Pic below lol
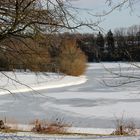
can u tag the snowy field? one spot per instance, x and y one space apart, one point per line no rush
89 103
56 137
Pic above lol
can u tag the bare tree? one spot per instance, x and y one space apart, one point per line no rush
20 18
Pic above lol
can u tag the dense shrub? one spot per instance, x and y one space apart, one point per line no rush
72 60
25 54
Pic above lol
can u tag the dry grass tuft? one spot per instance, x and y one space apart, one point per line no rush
56 127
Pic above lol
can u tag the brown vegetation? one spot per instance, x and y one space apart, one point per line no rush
56 127
6 129
40 55
29 55
124 127
72 60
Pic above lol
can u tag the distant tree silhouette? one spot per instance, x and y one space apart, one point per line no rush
110 41
100 44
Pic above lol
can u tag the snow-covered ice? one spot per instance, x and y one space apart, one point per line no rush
95 102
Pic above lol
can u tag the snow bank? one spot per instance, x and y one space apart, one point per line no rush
26 81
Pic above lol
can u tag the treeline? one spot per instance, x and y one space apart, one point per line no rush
43 53
121 45
68 52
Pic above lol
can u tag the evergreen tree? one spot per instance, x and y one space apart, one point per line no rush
110 42
100 41
100 45
138 38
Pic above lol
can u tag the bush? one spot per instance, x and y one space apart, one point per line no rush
124 127
72 60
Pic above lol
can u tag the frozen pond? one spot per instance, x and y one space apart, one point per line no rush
96 103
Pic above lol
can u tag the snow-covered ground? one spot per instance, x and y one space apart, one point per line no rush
18 82
29 136
96 103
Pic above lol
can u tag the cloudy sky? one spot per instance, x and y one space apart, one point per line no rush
123 17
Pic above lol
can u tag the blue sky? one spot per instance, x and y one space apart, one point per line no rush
118 18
